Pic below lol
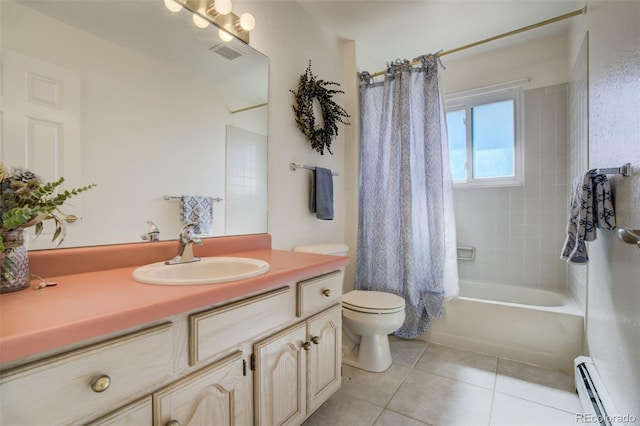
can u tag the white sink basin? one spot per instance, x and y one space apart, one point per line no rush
209 270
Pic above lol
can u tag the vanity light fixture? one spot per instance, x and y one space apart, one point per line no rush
198 20
224 35
220 7
173 5
246 22
219 13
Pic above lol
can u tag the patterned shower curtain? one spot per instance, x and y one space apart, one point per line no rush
406 235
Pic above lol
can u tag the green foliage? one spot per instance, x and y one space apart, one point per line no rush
310 88
26 201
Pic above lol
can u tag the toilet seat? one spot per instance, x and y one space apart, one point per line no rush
376 302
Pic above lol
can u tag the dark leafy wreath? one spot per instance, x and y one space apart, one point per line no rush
310 88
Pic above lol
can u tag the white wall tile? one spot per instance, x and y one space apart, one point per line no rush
518 231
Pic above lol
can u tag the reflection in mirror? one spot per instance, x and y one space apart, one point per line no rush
136 99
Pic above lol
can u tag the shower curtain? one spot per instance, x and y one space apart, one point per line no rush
406 235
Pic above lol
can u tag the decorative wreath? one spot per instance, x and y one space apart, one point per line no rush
310 88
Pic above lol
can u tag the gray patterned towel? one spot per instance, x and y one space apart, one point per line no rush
195 208
590 207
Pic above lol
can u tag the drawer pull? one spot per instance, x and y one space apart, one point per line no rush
101 383
306 346
327 292
172 423
315 340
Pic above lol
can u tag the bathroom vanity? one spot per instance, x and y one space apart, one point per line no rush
100 348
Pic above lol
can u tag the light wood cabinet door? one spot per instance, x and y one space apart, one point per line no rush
216 395
137 413
280 378
324 358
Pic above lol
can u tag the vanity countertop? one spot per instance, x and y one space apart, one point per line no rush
90 303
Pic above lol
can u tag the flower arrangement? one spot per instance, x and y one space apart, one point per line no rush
25 200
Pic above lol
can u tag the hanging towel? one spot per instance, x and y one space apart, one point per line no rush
590 207
195 208
321 199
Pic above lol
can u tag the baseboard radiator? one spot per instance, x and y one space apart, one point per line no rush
596 403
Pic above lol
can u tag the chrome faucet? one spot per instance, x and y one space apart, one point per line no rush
185 250
153 233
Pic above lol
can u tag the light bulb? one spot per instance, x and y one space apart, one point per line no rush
247 21
224 36
223 7
173 5
199 20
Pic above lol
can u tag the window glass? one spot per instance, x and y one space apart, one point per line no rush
493 140
485 134
457 131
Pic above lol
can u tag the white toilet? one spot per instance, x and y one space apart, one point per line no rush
368 317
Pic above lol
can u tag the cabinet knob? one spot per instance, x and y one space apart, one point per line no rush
172 423
306 346
101 383
326 292
315 340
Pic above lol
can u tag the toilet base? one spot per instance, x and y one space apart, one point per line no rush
373 354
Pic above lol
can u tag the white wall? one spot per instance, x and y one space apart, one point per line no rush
543 60
613 305
290 38
518 231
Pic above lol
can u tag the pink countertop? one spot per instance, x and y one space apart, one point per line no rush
92 301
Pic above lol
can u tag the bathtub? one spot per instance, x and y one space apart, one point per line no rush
540 327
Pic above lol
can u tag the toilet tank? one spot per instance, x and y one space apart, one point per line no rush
335 249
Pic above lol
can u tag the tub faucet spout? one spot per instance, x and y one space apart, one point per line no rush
186 240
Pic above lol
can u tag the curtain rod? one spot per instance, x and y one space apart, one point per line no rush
582 11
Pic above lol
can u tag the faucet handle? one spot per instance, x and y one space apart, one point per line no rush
187 229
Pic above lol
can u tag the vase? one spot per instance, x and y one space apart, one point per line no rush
15 262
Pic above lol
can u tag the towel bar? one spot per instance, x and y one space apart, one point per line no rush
294 166
625 170
178 198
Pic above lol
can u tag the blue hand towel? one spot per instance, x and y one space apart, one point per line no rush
590 207
321 200
195 208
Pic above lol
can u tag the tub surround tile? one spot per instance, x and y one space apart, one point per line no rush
406 351
342 409
551 388
376 388
523 219
391 418
511 411
437 400
469 367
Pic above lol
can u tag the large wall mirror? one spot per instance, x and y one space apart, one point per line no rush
136 99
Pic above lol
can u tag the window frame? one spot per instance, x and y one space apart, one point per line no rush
468 99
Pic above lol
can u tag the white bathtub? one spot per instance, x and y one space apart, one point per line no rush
541 327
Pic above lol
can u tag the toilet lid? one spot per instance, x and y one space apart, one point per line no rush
367 301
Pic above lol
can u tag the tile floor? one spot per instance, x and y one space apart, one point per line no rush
429 384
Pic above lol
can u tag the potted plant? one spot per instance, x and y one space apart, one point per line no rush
25 200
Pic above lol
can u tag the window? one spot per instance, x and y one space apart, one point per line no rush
485 142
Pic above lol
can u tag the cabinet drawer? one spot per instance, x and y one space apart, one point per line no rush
221 328
320 292
59 389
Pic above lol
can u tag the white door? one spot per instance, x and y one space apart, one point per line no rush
41 115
